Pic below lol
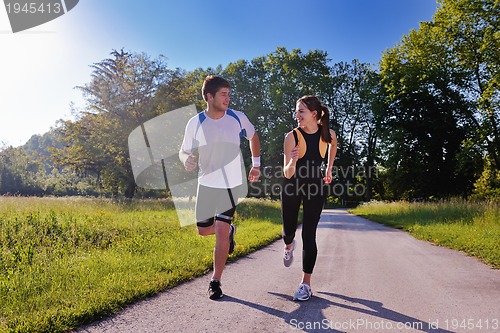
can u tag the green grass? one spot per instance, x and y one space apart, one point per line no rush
472 227
68 261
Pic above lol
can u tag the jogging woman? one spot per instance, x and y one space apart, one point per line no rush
306 150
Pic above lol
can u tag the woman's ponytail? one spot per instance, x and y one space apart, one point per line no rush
325 124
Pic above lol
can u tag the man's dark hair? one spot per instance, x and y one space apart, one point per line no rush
212 84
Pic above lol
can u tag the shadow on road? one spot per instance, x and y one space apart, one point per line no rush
377 309
309 317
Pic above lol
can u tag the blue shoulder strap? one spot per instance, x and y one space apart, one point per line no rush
243 132
201 118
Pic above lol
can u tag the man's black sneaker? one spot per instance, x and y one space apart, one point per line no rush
214 290
232 243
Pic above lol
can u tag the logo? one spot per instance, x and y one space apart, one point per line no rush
26 14
154 155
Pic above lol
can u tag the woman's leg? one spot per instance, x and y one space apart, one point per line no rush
290 205
312 211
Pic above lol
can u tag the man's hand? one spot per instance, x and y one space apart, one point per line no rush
254 174
191 163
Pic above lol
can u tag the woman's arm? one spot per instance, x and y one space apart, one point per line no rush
331 157
291 155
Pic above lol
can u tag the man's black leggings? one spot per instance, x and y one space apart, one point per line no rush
312 207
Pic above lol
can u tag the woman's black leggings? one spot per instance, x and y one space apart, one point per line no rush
312 207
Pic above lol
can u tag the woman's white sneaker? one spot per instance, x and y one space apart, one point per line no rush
288 255
303 293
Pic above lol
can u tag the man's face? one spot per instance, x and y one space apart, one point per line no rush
220 102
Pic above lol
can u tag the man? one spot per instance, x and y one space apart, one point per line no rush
212 142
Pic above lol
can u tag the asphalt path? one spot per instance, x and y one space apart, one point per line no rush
368 278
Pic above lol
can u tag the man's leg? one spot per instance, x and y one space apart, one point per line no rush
221 249
204 210
209 202
206 231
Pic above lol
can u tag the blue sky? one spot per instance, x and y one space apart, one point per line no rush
40 67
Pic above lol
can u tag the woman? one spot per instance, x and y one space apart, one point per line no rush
305 150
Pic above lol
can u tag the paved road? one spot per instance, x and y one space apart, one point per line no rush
368 278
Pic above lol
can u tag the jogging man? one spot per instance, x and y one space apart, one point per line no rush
212 143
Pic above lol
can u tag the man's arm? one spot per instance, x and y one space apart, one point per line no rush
255 145
254 173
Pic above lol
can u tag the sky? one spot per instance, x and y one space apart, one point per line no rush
40 67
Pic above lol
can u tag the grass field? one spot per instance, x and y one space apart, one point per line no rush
472 227
67 261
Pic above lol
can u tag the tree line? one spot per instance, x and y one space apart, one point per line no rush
423 124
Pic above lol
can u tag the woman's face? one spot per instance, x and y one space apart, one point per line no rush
304 116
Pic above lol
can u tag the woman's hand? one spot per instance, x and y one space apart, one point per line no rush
294 154
328 175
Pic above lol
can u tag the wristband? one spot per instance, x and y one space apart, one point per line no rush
256 161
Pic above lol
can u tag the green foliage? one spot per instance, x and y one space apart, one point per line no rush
20 173
66 262
421 127
268 87
442 85
128 89
121 96
469 29
40 148
488 185
356 104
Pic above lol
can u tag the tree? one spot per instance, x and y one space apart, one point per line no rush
470 32
355 102
439 80
290 75
267 88
122 94
488 185
20 174
40 147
